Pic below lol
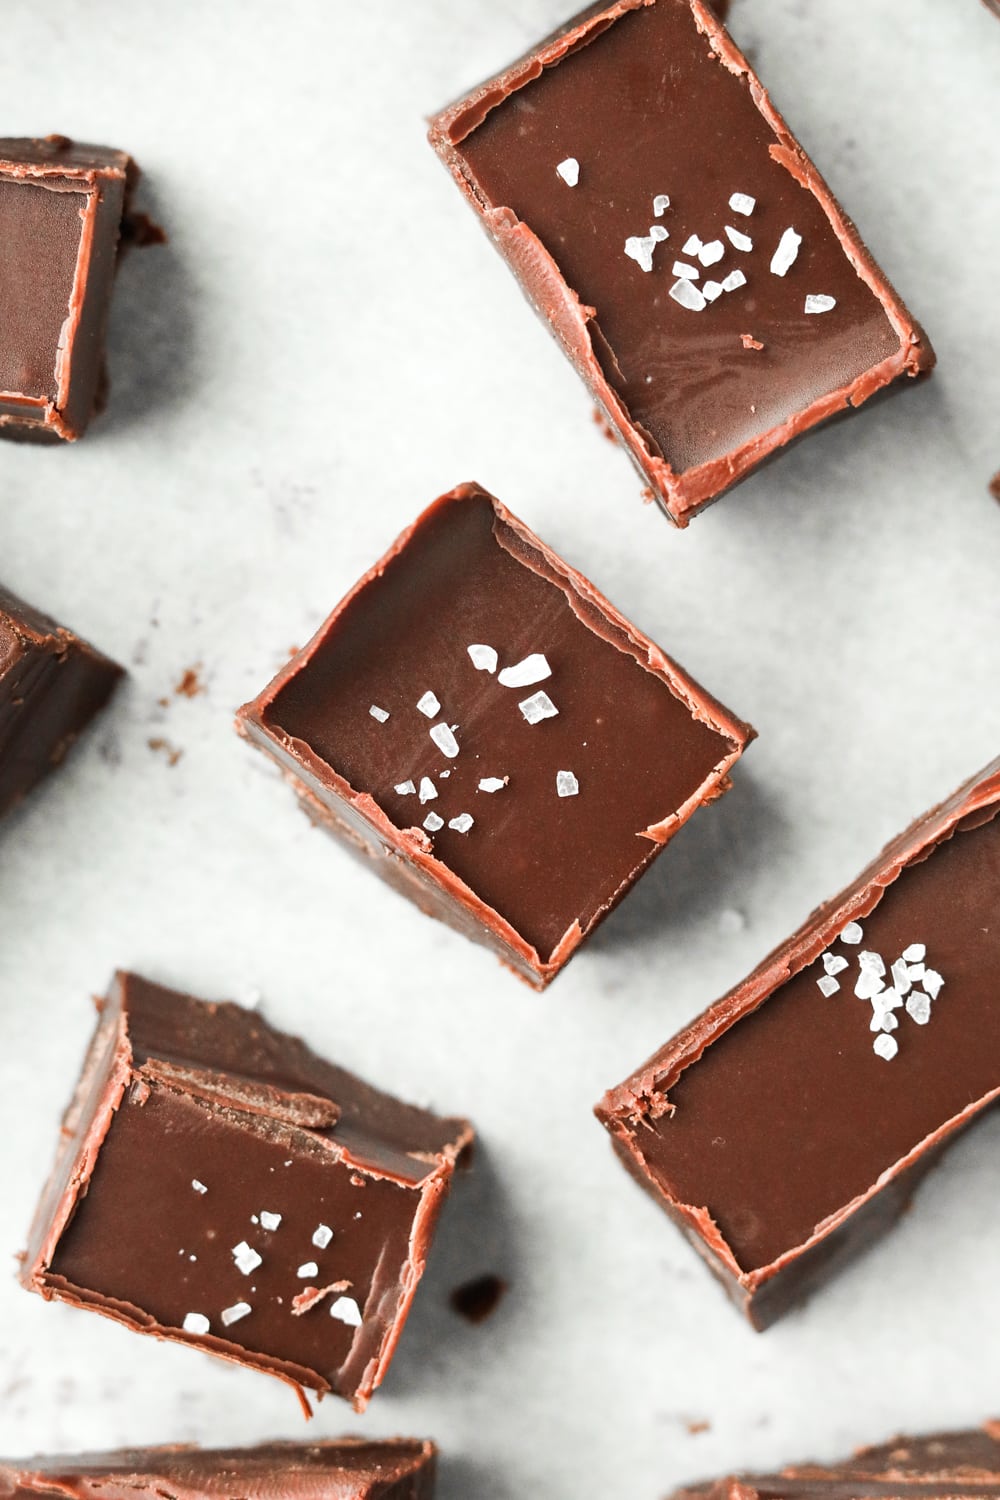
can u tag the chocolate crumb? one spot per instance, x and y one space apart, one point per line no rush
190 684
170 751
995 485
749 342
696 1426
139 230
601 421
478 1299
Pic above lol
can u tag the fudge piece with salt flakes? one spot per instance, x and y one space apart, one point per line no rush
220 1184
678 242
788 1126
497 740
347 1469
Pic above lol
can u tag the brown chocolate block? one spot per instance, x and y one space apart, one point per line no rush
220 1184
678 242
945 1466
61 207
348 1469
51 685
790 1124
496 739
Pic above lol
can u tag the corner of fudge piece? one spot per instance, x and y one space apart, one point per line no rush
61 209
52 684
715 311
491 736
787 1127
219 1184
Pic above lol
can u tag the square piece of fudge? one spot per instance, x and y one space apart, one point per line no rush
51 686
220 1184
348 1469
61 207
508 750
678 242
788 1126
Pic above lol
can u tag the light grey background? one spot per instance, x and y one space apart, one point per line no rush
326 344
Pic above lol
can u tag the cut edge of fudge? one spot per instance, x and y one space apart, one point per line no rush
427 880
643 1096
576 326
118 1063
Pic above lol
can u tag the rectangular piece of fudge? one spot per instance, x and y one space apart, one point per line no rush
789 1125
678 242
348 1469
51 685
509 751
220 1184
944 1466
61 206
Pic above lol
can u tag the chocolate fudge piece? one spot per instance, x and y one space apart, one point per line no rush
348 1469
61 207
51 686
508 750
220 1184
680 245
944 1466
789 1125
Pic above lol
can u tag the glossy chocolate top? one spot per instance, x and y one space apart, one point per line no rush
637 741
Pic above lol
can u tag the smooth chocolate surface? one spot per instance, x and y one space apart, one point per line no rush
534 871
219 1183
784 1129
651 100
61 207
51 685
348 1469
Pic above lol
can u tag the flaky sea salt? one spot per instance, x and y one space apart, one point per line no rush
236 1312
738 239
692 245
640 249
734 281
918 1008
834 963
462 823
742 203
712 291
787 253
246 1258
428 791
828 985
444 738
712 253
538 707
915 953
307 1269
270 1221
820 303
484 658
569 171
660 205
199 1187
492 783
432 822
566 784
688 273
379 713
885 1046
346 1310
687 294
932 982
526 673
195 1323
322 1235
429 705
852 933
405 788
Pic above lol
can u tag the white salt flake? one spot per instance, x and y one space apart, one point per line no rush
658 233
885 1046
538 707
379 713
916 972
687 294
569 171
432 822
918 1008
852 933
246 1258
660 205
828 985
484 658
712 253
915 953
199 1187
689 273
253 1217
195 1323
429 705
734 281
786 254
236 1312
692 246
742 203
640 249
492 783
869 985
932 983
462 823
346 1310
269 1220
405 788
322 1236
901 977
883 1020
820 303
872 962
526 673
307 1269
444 738
428 791
443 775
566 784
712 290
738 239
834 963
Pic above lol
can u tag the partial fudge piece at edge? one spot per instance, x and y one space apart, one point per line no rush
942 1466
345 1469
716 309
51 686
491 736
219 1184
788 1127
61 209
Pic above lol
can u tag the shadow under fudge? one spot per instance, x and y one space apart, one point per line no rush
788 1127
527 829
219 1184
699 391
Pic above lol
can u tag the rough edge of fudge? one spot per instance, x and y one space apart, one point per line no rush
414 870
401 1468
113 1064
765 1293
108 177
73 681
681 496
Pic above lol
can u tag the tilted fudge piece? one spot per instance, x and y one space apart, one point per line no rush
61 207
51 686
944 1466
788 1126
509 751
348 1469
678 242
220 1184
